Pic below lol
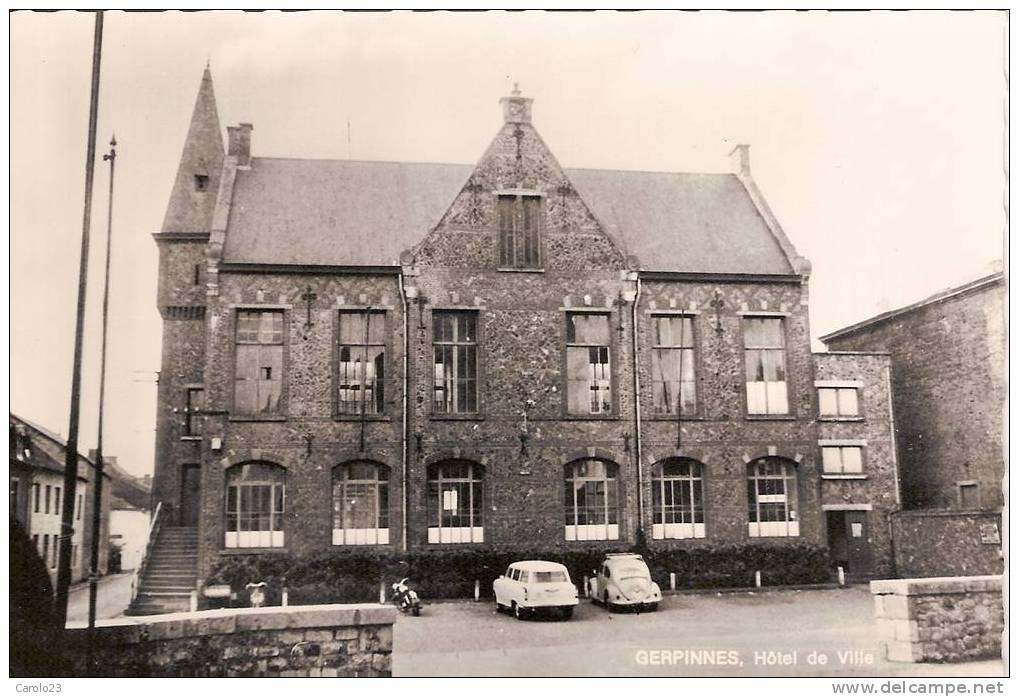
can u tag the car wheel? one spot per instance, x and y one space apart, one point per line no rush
605 601
566 613
417 610
498 606
516 611
652 607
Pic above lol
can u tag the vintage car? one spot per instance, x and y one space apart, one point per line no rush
624 580
532 586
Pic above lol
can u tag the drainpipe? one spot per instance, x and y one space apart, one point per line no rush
406 384
636 411
895 444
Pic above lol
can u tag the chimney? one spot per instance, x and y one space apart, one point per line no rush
739 159
515 108
240 143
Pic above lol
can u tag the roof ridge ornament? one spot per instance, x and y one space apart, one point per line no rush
516 108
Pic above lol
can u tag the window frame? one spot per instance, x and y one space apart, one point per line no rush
435 315
283 404
782 318
191 415
613 482
696 482
386 346
695 329
434 504
518 196
840 446
838 386
610 315
975 485
360 537
790 478
273 512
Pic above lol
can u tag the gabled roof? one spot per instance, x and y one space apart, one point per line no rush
357 213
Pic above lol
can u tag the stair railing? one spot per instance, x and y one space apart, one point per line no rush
139 571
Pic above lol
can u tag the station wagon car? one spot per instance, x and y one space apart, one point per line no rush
532 586
624 580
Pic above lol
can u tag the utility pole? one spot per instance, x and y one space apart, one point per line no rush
97 503
71 451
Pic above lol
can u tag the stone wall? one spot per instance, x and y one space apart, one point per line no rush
309 641
949 388
947 543
939 620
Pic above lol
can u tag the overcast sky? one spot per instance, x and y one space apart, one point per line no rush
877 138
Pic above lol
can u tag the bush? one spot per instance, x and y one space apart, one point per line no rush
338 576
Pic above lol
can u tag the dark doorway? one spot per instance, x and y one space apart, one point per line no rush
849 543
190 494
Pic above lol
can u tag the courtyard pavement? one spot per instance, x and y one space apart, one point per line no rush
733 634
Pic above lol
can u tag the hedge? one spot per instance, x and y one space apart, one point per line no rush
335 576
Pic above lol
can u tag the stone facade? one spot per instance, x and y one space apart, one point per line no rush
947 543
312 641
522 439
939 620
948 374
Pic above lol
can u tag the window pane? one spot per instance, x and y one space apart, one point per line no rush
852 460
831 461
849 402
352 328
246 379
827 404
588 329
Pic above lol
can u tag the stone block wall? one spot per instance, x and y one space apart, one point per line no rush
309 641
949 389
946 543
939 620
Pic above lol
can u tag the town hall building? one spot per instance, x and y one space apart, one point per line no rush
413 356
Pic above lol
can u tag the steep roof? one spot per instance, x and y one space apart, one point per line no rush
190 208
356 213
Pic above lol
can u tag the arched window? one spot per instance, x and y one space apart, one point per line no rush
360 504
677 494
771 497
591 500
455 502
255 495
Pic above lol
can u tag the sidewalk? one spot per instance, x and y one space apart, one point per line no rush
113 595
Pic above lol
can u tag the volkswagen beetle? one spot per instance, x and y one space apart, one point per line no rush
624 580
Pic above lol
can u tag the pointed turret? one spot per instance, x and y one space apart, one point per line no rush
194 190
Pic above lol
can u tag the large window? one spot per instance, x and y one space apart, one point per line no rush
258 373
838 402
772 500
764 342
842 459
673 380
455 346
677 494
592 500
588 366
519 231
360 504
361 362
255 496
455 502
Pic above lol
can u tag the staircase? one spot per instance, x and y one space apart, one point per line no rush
169 574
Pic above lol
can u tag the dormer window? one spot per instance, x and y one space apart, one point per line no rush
519 231
201 182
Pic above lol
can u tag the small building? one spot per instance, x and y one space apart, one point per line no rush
949 387
37 497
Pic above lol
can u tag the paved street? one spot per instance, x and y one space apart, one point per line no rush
112 598
465 638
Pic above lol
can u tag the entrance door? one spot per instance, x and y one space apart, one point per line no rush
190 494
849 543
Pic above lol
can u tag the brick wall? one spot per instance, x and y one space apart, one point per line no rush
939 620
947 543
949 393
311 641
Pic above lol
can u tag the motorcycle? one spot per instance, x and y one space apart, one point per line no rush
406 598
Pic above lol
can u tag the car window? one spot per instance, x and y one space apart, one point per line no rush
515 574
509 572
634 572
549 577
523 576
